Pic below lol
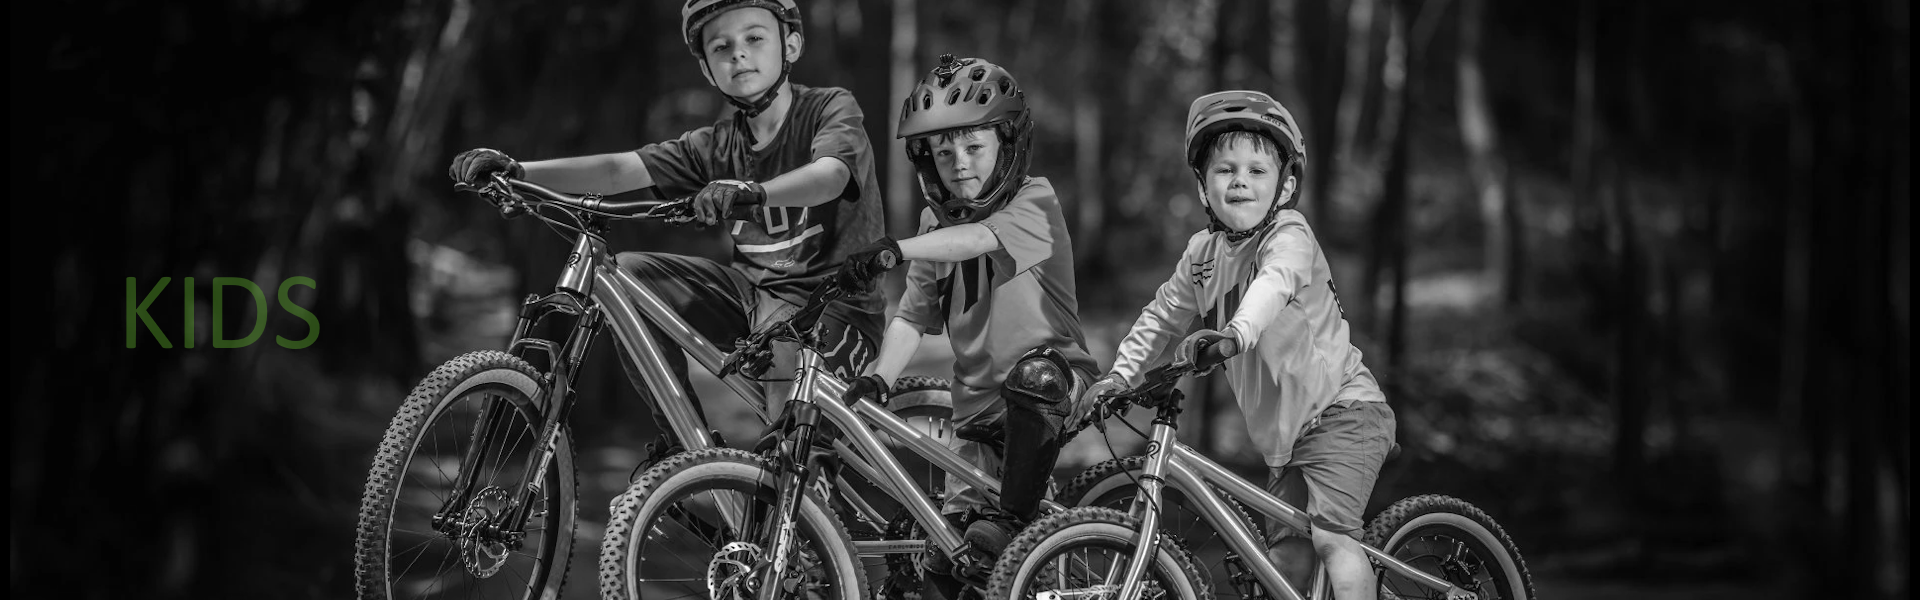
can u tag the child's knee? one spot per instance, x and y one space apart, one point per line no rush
1331 543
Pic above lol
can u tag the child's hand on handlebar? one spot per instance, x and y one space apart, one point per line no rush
1206 349
473 166
1096 397
869 262
716 201
870 386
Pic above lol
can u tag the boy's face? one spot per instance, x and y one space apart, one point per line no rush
742 51
1239 184
965 160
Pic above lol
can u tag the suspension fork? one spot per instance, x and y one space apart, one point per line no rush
795 470
556 415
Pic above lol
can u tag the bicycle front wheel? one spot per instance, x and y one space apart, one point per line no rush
1451 539
688 528
1114 484
401 553
1083 553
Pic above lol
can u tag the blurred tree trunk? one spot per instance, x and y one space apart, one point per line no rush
1353 95
1389 247
1488 167
1629 385
902 190
1322 46
1087 100
1286 42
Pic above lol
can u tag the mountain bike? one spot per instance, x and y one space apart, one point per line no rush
1427 546
473 491
724 523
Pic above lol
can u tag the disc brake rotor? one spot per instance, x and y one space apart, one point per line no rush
483 555
730 572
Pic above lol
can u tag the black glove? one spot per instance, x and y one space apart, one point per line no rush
1206 349
868 387
715 201
869 262
473 166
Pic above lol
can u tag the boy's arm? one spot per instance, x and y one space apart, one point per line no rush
896 349
950 244
1161 322
600 173
839 146
817 183
1286 260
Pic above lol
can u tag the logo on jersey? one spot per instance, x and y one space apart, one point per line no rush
1200 272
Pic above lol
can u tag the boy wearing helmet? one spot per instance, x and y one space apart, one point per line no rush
1258 287
798 154
993 267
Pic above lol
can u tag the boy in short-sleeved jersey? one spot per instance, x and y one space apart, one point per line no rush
993 268
819 200
1260 288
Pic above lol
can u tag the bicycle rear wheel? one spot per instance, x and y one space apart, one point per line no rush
399 553
1451 539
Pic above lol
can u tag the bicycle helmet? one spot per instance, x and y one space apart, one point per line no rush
962 94
695 14
1242 110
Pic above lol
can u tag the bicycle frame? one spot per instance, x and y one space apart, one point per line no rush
818 390
1205 482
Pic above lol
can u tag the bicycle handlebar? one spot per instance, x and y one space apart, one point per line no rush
755 348
506 192
1155 391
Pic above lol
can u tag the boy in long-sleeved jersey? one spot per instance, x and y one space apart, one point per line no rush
993 267
1259 286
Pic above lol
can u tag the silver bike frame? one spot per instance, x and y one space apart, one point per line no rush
859 421
1203 482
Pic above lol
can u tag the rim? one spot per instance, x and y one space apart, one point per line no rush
1447 551
425 563
686 547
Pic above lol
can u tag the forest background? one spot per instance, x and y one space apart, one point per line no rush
1634 273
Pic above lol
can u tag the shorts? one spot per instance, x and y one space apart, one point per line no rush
1334 466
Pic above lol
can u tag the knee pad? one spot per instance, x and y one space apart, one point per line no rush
1038 392
1041 384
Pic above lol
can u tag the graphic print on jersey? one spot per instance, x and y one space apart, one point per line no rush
785 236
976 279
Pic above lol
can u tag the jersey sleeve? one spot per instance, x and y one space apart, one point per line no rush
680 166
920 302
1164 320
1286 262
1025 228
843 135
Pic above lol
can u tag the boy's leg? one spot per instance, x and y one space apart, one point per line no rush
712 298
1337 462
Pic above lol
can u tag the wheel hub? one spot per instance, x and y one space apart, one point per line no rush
483 554
730 574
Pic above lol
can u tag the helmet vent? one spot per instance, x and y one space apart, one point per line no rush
953 96
977 74
986 96
926 100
